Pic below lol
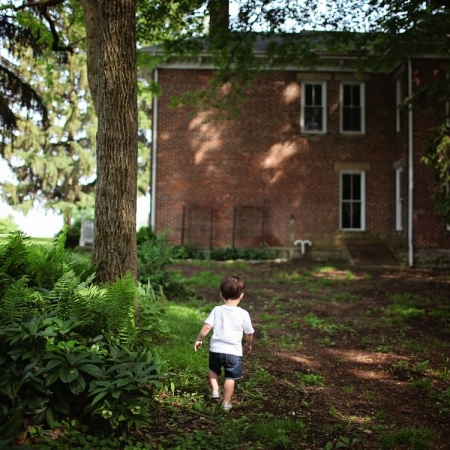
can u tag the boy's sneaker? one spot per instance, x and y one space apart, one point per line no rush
215 395
226 406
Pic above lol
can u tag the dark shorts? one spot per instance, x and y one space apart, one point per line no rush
231 363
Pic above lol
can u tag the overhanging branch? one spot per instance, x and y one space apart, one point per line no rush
42 8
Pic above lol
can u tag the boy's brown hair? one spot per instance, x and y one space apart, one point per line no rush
232 287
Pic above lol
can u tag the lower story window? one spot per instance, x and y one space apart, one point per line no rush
352 200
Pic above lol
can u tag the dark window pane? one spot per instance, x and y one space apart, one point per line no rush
318 95
346 186
346 215
313 95
347 95
351 119
356 216
352 95
357 125
313 118
356 95
356 193
308 94
351 186
346 119
351 215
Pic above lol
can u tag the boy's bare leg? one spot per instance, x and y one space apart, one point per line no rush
214 380
228 389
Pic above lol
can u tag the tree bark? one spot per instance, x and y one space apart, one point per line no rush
91 23
117 146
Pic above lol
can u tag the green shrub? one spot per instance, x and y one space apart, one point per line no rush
68 346
225 254
49 371
154 256
145 234
124 396
189 252
72 234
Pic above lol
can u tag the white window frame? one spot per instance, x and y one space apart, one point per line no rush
398 100
362 106
399 199
303 126
362 173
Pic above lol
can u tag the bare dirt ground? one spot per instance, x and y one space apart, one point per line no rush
378 336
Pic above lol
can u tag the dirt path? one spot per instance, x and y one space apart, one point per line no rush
352 352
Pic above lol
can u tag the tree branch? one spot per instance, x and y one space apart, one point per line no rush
45 3
42 7
55 47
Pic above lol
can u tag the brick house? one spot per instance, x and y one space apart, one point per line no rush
323 156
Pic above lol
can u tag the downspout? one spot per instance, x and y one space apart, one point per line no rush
154 153
410 171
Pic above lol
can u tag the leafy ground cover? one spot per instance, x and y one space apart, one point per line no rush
344 357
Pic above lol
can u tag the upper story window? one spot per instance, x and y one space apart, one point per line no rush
313 114
352 107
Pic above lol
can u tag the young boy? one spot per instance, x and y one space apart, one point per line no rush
229 323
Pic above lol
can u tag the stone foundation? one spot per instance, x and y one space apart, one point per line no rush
432 258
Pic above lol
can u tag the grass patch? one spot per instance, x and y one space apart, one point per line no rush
290 340
277 432
310 379
410 438
325 325
339 297
206 279
183 364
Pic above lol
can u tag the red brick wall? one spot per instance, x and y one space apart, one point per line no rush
429 232
207 173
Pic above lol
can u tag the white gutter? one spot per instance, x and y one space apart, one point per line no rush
154 153
410 171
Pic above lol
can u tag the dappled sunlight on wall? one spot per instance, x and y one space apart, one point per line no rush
206 136
291 93
278 155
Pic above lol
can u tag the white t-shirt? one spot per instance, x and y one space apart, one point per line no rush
229 323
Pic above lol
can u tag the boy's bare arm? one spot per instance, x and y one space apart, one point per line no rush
248 343
203 333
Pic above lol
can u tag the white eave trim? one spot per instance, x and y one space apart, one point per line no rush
336 63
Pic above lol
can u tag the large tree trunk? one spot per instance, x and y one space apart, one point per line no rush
91 24
117 146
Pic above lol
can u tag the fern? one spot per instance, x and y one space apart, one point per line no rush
5 282
45 264
120 300
13 258
87 306
47 280
107 310
60 298
16 304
